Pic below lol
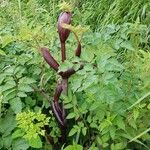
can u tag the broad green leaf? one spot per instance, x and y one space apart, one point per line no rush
66 65
17 133
20 144
72 131
71 115
9 94
7 87
35 142
87 55
24 88
127 45
91 79
21 94
68 106
29 101
7 141
16 105
10 70
26 80
74 147
105 145
76 83
118 146
6 127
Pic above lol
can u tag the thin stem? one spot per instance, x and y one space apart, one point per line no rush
77 38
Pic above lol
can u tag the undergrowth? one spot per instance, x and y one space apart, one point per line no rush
108 102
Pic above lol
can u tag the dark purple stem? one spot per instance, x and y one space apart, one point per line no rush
78 50
63 52
49 58
64 91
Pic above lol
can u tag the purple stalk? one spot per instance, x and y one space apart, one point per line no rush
49 58
78 50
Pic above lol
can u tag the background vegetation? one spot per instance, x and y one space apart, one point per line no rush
108 107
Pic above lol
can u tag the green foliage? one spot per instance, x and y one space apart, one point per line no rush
31 125
108 103
74 147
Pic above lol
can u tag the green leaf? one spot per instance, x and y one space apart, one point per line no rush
94 106
135 114
74 147
10 70
87 55
112 131
20 144
2 77
90 79
29 101
127 45
9 94
71 115
118 146
24 88
84 130
24 32
7 86
26 80
35 142
6 40
72 131
7 141
66 65
68 106
132 123
17 133
21 94
6 127
76 83
16 105
120 123
2 52
104 124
